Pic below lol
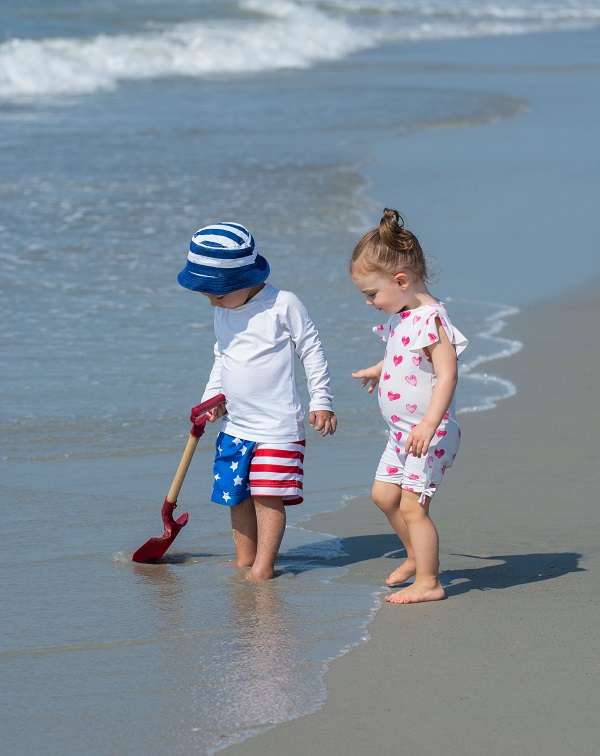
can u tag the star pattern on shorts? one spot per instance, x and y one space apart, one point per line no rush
226 496
244 449
238 481
234 466
217 476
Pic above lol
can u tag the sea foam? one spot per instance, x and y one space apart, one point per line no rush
266 35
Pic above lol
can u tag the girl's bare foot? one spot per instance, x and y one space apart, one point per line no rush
415 593
402 574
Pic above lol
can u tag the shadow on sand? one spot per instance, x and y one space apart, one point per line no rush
506 570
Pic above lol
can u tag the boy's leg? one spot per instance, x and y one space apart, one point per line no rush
243 524
425 544
388 497
270 520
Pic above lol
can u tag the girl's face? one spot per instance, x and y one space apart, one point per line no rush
383 291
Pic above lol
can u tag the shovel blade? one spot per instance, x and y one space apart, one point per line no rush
155 548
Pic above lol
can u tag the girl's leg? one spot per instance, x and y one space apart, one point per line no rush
243 524
270 520
425 544
388 496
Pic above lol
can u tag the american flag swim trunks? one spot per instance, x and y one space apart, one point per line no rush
245 469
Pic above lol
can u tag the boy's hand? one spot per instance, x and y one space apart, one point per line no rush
215 414
323 420
372 374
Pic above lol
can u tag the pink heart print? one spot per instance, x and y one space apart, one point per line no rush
392 334
405 315
416 318
439 453
397 449
417 360
378 328
411 407
395 419
405 340
429 462
398 359
391 470
412 379
432 337
386 376
440 433
447 415
412 476
398 434
392 397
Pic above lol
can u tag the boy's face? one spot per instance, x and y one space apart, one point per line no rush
235 299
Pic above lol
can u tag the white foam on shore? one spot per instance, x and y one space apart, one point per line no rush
487 388
267 35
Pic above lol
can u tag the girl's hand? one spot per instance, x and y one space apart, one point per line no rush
419 439
323 420
372 374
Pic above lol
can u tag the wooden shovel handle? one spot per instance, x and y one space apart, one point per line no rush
189 450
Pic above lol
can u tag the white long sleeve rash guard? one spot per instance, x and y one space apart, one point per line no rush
255 368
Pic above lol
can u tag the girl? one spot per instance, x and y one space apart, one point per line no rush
416 378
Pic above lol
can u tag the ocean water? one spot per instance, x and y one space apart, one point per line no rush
124 127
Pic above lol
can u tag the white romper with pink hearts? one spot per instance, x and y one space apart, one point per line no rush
405 388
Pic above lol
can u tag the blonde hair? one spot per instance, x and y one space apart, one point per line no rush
389 249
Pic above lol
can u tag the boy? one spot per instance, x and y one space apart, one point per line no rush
260 449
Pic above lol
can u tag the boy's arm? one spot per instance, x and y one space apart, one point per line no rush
310 351
213 387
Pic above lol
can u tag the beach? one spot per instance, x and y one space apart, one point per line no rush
484 135
508 663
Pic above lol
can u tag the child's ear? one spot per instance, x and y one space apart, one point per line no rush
402 279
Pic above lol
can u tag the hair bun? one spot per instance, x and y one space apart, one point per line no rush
392 216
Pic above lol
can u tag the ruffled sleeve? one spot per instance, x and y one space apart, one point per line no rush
428 332
383 331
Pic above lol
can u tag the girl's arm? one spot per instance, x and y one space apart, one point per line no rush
445 367
372 374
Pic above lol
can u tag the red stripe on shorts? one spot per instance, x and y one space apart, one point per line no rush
275 483
281 469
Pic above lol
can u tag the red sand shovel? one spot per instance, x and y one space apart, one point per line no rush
154 548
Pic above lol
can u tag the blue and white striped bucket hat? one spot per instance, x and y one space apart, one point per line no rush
223 258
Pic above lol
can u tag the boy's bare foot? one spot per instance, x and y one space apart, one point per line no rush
415 593
259 576
402 573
